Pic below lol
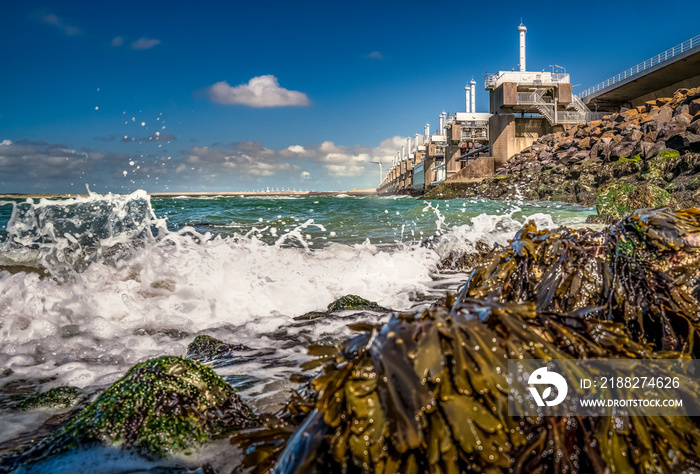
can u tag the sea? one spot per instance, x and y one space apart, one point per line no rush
90 286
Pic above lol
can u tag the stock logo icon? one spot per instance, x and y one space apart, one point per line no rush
542 376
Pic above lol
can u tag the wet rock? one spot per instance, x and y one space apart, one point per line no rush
345 303
617 199
55 398
160 407
354 303
311 315
465 262
642 272
206 348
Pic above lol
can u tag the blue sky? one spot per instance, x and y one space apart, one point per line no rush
233 96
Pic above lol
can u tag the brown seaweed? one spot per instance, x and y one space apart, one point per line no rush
642 271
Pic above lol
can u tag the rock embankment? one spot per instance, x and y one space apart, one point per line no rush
647 156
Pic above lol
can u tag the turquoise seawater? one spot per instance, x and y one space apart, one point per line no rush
345 219
90 286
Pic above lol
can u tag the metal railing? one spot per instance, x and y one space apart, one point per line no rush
693 42
571 117
579 105
532 98
524 77
474 133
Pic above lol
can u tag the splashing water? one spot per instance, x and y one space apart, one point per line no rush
130 278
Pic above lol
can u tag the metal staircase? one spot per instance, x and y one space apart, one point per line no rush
547 108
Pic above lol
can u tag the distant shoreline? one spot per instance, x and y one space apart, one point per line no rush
363 192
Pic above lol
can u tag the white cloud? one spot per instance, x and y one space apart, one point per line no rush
345 171
254 159
261 91
296 149
241 159
375 55
145 43
58 22
117 41
41 164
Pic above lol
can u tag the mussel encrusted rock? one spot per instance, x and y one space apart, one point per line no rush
428 392
160 407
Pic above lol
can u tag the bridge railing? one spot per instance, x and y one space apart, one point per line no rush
659 58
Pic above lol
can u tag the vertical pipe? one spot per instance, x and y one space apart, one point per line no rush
473 92
522 30
466 93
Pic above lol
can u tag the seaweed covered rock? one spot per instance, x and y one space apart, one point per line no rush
428 393
161 406
344 303
643 271
55 398
206 348
616 199
355 303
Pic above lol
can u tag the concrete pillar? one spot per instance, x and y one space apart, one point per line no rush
502 138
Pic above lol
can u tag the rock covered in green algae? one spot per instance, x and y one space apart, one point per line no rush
160 407
616 199
206 348
355 303
344 303
59 397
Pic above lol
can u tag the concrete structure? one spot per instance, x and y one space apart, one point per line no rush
656 77
524 105
528 104
465 132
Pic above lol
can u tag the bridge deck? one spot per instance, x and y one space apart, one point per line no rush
680 69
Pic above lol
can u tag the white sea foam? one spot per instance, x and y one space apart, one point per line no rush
130 290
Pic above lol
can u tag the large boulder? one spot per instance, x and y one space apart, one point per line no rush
206 348
160 407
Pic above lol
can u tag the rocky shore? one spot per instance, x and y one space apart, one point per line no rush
427 392
648 156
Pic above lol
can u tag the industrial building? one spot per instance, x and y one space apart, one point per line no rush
523 105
